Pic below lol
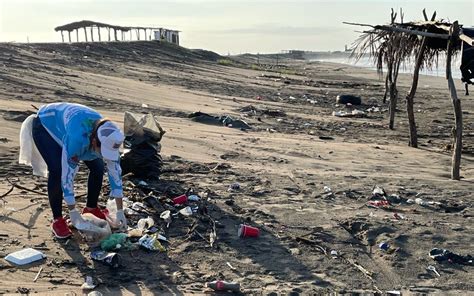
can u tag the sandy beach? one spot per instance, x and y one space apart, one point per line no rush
306 177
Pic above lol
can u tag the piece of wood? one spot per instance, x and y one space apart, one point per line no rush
24 188
62 36
38 274
85 33
457 137
413 32
466 39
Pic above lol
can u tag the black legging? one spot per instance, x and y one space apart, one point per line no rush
51 152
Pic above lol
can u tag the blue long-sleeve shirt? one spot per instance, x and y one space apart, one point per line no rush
71 126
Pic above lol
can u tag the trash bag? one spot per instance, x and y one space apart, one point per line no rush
348 99
143 134
224 120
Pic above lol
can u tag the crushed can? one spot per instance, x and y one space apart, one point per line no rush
110 259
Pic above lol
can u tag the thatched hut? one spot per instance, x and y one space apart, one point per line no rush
397 42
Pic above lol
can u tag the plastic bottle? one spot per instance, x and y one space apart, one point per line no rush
224 286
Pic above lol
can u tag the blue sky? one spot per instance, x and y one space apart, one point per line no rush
225 26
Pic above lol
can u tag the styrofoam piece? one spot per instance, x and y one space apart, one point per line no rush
24 256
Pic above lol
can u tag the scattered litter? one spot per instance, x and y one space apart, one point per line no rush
378 192
144 105
353 113
441 255
234 187
193 197
398 216
224 286
248 231
151 243
98 228
224 120
334 253
230 266
114 241
373 109
433 269
145 223
378 204
384 246
38 274
88 284
187 211
24 256
166 215
348 99
180 199
142 183
110 259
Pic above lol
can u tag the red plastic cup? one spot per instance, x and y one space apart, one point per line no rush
248 231
179 200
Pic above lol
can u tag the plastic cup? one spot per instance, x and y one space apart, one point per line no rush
248 231
180 199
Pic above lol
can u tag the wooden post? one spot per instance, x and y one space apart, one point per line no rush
130 34
98 31
138 34
77 35
411 94
85 33
108 30
69 35
457 137
393 73
62 36
92 33
115 34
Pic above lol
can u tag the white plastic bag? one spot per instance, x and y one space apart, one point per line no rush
29 154
96 229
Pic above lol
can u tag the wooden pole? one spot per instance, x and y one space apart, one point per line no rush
392 72
456 159
115 34
411 94
85 33
138 34
77 35
108 30
131 35
92 34
62 36
69 35
98 31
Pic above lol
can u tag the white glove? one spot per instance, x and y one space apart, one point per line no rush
121 220
77 220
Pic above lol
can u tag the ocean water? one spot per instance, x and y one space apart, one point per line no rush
367 63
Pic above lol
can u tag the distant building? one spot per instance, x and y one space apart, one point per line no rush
171 36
